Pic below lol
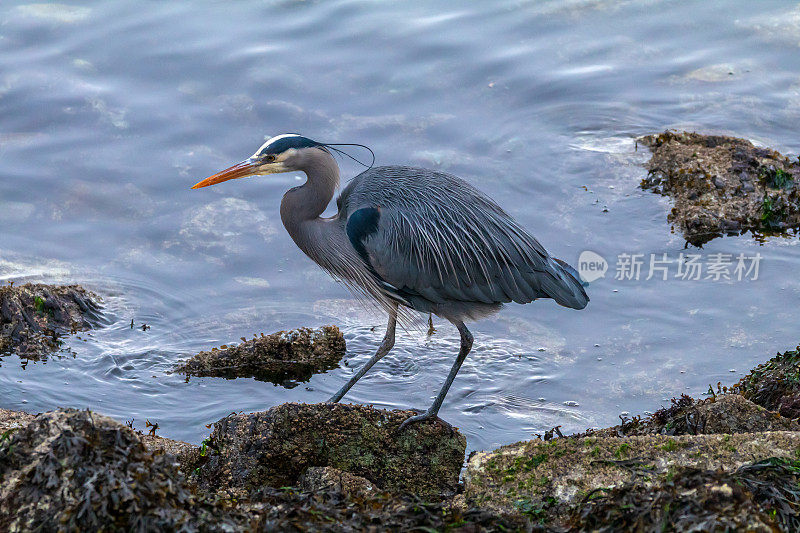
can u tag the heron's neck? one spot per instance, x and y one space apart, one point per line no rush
303 205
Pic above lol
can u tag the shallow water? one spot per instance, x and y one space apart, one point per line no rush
110 111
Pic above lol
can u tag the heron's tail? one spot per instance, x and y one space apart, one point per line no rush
574 296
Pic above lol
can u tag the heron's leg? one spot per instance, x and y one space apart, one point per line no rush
433 410
383 349
431 329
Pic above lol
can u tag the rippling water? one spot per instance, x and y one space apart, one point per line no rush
110 111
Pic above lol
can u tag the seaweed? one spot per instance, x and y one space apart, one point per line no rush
760 495
71 470
774 385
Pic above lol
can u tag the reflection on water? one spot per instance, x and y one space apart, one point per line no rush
111 112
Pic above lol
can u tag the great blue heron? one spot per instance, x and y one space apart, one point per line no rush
410 239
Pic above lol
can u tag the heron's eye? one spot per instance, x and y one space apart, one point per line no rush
270 159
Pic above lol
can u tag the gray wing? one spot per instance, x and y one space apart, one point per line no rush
431 235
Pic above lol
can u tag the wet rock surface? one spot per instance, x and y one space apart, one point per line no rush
723 185
34 317
285 357
274 448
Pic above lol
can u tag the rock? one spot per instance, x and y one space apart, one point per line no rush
716 181
286 357
333 511
757 497
322 478
13 420
71 470
182 451
724 413
552 481
34 317
774 385
274 448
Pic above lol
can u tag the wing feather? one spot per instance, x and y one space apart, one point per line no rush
439 238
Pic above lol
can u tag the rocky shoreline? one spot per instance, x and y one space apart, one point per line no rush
727 461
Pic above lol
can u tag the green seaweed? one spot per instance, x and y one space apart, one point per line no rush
775 178
771 217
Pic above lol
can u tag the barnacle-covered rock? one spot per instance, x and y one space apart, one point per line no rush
275 447
34 317
723 185
285 357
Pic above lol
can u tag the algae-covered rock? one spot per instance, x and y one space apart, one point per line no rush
548 479
285 357
723 413
722 185
758 497
71 470
274 448
34 317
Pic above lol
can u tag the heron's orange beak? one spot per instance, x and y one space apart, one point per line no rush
239 170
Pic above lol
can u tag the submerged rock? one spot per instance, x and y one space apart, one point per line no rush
275 448
284 358
34 317
71 470
722 185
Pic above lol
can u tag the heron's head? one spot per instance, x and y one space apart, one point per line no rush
284 153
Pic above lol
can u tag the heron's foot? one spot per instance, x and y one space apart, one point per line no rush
431 329
427 415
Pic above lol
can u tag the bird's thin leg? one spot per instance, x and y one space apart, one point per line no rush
383 349
431 329
433 410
